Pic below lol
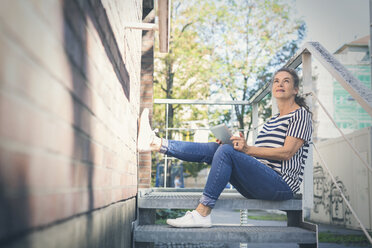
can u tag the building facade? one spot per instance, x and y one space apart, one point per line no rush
347 168
70 95
346 112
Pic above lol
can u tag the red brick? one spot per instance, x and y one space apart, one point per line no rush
145 156
67 118
144 185
144 180
145 163
146 77
47 208
146 86
147 93
146 104
144 169
101 177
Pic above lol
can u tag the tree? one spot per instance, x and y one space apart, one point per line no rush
225 47
250 38
184 72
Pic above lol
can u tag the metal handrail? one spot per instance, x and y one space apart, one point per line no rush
361 93
199 102
366 165
190 102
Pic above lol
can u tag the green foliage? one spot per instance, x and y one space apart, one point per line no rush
223 49
276 217
327 237
252 39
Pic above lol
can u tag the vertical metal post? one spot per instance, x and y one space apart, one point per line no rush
255 120
308 173
244 212
166 136
274 106
370 37
370 62
243 222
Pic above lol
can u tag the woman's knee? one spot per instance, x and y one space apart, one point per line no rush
225 148
224 152
213 146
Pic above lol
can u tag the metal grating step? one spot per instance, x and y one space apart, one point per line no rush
229 199
224 234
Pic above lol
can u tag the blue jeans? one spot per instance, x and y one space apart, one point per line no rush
250 177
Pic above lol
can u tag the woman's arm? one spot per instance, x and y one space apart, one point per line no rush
286 152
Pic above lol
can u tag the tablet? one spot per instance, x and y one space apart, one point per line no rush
222 133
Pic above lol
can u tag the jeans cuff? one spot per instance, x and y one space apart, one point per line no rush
164 146
207 201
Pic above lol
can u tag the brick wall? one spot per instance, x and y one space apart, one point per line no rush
147 71
69 102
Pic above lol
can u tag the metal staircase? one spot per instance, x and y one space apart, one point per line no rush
146 233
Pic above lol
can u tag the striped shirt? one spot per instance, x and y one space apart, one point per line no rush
297 124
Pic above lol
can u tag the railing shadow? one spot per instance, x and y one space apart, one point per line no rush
75 42
76 15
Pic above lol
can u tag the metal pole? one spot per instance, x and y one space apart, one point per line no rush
166 137
255 121
308 171
370 37
243 222
274 106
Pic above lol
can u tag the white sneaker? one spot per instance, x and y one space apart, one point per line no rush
191 219
145 133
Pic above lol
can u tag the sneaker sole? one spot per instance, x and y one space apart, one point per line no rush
188 226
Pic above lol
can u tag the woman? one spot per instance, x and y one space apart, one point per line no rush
272 169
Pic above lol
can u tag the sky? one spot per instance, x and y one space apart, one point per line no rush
334 22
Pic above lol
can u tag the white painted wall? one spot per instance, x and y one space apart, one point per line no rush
350 174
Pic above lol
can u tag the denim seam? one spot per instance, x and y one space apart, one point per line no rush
207 201
209 196
164 146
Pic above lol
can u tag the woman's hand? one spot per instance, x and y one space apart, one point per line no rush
239 143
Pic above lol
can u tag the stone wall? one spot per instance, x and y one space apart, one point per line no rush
69 102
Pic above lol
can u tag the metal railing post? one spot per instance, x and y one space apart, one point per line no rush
255 121
370 36
308 171
166 137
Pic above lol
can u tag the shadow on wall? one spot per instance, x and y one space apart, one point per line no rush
16 206
75 43
76 14
14 200
75 38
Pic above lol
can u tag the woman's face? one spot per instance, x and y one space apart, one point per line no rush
283 86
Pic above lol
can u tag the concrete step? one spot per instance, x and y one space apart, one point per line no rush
224 234
158 198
